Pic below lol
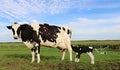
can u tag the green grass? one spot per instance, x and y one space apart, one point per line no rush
112 44
16 56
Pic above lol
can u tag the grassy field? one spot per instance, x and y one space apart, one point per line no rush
16 56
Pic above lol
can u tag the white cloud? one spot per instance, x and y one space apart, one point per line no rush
115 28
58 6
94 28
98 21
25 9
96 4
3 24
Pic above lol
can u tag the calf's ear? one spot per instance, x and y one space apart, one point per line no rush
9 27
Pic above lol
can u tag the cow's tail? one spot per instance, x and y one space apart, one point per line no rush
70 32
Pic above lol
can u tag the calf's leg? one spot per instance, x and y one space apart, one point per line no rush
91 57
77 59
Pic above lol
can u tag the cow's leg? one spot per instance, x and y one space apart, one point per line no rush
70 52
91 57
33 55
38 52
63 55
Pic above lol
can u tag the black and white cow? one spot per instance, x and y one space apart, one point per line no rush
83 49
33 35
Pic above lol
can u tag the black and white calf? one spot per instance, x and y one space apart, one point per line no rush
33 35
83 49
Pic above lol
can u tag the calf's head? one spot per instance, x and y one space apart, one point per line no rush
15 29
75 48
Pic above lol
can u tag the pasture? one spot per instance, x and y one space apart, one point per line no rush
16 56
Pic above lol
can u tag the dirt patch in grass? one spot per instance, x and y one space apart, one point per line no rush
60 66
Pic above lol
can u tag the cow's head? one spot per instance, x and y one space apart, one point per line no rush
16 30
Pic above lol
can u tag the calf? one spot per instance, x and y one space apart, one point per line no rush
33 35
83 49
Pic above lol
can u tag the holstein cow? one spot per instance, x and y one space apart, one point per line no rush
83 49
33 35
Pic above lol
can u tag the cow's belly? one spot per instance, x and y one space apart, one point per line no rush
60 44
48 43
30 44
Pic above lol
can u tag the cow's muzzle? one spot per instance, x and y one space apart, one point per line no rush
15 37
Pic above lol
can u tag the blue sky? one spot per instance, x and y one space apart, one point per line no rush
89 19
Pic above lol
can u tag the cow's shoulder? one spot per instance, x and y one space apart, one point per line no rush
28 33
25 27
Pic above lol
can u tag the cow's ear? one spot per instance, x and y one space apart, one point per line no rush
15 23
9 27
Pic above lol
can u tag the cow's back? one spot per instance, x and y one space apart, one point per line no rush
54 36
